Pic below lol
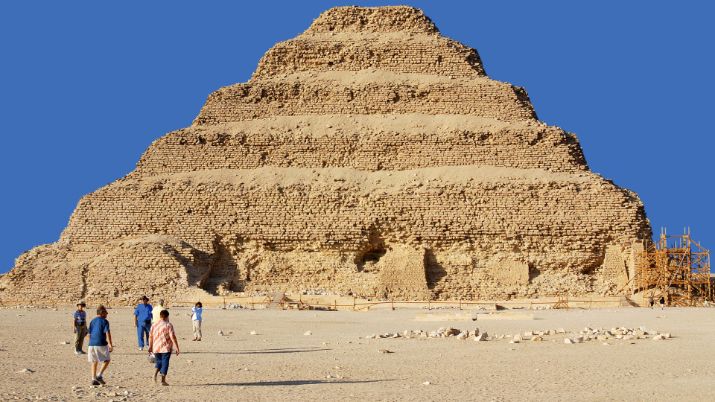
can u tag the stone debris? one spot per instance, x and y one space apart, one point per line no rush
26 371
307 333
585 335
220 332
253 333
385 351
373 113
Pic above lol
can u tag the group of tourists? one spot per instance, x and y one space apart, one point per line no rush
154 331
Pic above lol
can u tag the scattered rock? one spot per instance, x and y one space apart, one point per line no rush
426 383
451 332
26 371
385 351
307 333
220 333
253 333
481 337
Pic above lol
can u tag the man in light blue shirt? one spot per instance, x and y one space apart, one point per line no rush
142 321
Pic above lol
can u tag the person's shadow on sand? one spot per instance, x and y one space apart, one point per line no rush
291 382
260 351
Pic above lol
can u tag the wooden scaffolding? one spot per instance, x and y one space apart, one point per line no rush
676 268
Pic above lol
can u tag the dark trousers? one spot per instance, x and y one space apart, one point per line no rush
80 331
162 362
143 328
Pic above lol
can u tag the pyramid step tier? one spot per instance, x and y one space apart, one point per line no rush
422 54
366 142
366 92
491 210
373 19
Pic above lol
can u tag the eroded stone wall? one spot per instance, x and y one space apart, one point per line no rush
386 143
298 94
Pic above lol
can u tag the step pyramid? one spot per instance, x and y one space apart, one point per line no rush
371 156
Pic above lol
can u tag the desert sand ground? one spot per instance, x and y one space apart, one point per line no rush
336 362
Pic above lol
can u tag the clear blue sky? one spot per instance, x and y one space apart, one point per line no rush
86 86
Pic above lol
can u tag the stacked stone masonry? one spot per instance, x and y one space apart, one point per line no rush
420 54
365 143
369 156
293 96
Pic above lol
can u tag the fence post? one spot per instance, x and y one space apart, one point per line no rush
353 303
429 304
335 304
392 304
460 304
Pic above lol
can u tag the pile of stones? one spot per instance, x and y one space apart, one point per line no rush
569 337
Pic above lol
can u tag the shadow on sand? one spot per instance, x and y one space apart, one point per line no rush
292 382
261 351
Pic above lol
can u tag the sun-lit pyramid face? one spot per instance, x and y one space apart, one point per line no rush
368 156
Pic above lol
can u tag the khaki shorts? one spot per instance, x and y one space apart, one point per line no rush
98 354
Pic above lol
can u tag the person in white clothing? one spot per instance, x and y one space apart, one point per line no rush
196 313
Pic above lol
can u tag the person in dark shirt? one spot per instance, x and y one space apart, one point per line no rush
79 324
100 345
142 321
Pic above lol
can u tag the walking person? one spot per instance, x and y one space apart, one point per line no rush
79 324
196 313
158 309
142 321
662 302
162 341
100 345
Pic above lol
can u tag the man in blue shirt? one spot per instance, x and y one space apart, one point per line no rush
142 321
100 345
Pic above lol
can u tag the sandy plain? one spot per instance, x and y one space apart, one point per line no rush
336 362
